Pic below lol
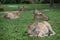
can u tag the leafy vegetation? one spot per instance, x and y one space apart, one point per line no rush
25 1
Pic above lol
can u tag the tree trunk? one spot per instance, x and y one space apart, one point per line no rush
51 3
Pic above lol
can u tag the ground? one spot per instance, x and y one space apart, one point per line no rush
16 29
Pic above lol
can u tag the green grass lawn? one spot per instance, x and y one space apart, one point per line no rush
29 7
15 29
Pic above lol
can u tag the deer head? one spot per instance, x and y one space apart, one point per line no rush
38 14
21 8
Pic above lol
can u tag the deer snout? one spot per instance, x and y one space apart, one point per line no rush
46 19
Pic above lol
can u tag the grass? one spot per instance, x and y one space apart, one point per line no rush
15 29
29 7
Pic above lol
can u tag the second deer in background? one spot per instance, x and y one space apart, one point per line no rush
14 14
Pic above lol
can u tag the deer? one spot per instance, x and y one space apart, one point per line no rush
14 14
40 29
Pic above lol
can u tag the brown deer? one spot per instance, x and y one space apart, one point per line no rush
14 14
40 29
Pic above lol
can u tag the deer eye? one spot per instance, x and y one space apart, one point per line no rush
40 14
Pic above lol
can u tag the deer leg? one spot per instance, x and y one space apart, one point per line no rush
40 34
50 30
29 32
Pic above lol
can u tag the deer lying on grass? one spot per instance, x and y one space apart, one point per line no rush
40 29
14 15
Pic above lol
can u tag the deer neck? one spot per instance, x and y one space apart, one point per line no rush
20 10
35 24
35 21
